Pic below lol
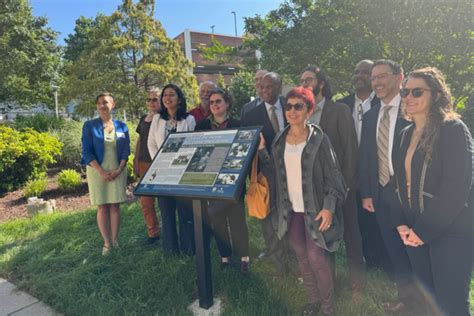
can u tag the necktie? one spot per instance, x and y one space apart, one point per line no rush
360 112
382 147
274 119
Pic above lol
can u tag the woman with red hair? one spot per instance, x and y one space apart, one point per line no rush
309 203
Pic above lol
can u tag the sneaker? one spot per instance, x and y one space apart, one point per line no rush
245 267
151 240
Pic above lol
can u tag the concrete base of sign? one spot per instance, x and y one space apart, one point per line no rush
39 206
215 310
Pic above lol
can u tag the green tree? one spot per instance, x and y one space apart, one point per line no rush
125 53
29 54
337 34
241 88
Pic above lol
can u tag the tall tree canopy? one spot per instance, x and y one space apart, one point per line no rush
125 53
336 34
30 58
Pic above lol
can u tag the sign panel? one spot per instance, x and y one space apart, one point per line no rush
204 164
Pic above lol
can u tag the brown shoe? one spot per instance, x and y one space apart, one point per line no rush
393 307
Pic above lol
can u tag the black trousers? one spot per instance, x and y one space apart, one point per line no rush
402 271
373 247
443 273
229 217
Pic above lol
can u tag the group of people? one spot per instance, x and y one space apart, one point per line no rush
388 170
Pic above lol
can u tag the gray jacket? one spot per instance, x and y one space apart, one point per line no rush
322 183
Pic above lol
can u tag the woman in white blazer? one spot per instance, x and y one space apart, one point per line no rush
173 118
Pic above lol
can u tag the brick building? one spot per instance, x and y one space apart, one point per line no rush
192 41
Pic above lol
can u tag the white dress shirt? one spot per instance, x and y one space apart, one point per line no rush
365 106
278 111
395 103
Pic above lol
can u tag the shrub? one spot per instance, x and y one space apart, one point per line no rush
69 179
24 155
242 88
70 136
35 187
40 122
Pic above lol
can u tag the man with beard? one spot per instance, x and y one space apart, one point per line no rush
380 126
336 121
202 111
362 100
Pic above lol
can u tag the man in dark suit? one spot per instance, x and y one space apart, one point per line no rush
269 114
359 102
250 105
336 121
380 125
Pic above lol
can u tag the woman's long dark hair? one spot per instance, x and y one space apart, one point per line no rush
441 107
181 113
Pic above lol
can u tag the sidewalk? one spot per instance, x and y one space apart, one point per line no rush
19 303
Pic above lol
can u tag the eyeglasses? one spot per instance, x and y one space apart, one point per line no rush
415 92
308 80
297 106
362 72
152 99
381 76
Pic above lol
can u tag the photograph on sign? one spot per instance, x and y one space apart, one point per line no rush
201 164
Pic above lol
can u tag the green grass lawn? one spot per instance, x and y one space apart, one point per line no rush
57 258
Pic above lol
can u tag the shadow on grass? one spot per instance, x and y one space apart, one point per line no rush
57 259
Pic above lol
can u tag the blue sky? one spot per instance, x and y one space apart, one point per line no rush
175 15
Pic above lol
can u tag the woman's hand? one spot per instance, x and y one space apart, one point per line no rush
104 174
326 219
404 231
262 143
413 240
115 173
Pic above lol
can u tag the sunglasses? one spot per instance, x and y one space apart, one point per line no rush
297 106
415 92
152 99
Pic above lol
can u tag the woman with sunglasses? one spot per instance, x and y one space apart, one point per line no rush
433 164
172 117
223 214
142 162
310 194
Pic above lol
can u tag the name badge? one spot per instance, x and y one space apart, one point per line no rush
120 135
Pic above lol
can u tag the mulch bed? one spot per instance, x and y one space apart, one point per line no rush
13 204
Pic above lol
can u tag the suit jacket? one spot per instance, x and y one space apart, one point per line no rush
258 116
350 100
368 158
440 188
336 121
249 106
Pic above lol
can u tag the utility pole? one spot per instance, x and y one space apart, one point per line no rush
235 22
55 92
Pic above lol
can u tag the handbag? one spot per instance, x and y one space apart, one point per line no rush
258 194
